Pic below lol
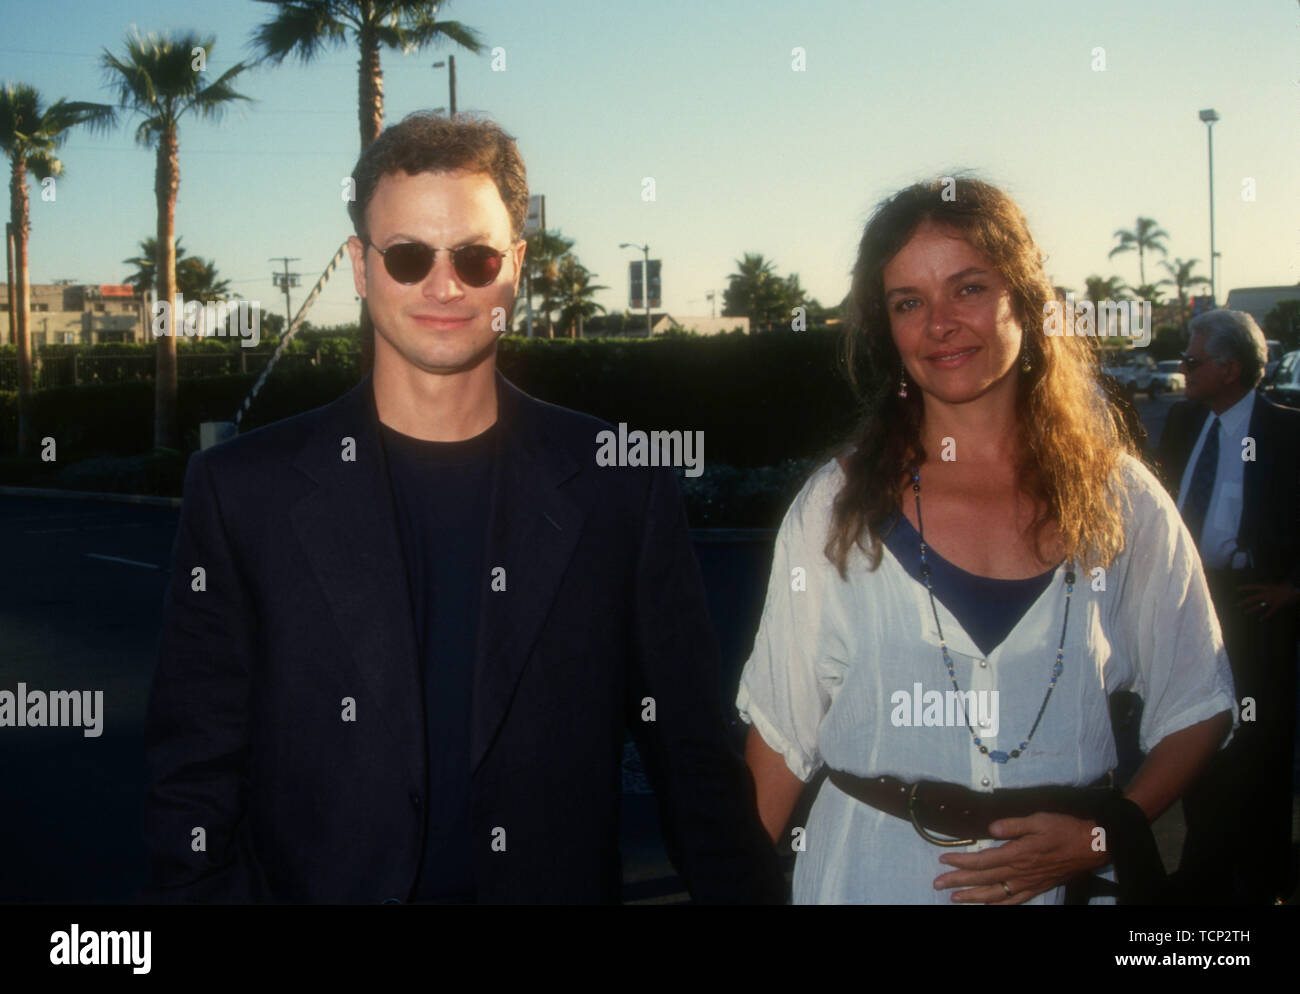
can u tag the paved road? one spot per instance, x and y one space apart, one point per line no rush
80 598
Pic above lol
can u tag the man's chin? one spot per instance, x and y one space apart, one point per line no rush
448 362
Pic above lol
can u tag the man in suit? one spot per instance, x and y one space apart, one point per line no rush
405 632
1232 461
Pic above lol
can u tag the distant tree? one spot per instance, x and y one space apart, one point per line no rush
145 277
1282 324
1098 289
1146 236
163 79
197 279
573 292
542 271
757 292
30 135
1181 279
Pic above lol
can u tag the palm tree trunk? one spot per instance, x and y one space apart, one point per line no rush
370 82
166 186
20 216
370 113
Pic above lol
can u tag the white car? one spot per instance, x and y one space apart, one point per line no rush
1171 377
1136 373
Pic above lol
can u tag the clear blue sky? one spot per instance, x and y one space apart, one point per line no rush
747 154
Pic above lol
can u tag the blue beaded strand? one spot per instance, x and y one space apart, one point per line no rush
995 755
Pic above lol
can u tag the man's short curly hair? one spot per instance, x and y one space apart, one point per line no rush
425 142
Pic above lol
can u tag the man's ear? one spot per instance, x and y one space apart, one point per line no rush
1232 369
358 253
520 251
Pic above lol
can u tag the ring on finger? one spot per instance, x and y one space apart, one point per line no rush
1006 887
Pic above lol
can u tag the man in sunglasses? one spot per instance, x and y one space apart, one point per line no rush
425 615
1232 462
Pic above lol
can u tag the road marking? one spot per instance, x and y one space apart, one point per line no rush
119 559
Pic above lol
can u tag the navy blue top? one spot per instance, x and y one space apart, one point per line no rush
442 496
986 607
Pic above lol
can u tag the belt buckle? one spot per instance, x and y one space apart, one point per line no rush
932 839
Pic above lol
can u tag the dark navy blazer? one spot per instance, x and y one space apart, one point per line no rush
304 607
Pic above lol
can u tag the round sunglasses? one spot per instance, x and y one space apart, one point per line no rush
410 262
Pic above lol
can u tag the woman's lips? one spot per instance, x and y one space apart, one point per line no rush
952 359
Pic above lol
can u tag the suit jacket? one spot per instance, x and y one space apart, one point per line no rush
1270 512
303 607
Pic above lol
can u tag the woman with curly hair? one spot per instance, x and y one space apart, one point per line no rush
955 595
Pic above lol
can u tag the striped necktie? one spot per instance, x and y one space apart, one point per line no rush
1201 487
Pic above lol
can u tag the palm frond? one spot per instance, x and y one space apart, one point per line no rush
300 27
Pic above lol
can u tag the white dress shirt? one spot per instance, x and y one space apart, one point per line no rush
827 659
1218 544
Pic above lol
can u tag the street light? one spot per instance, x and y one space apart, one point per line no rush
451 64
645 283
1209 116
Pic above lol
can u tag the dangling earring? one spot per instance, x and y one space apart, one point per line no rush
1024 361
902 386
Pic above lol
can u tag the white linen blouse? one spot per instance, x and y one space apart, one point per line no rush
831 653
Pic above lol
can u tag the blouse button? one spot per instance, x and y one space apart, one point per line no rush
984 782
984 664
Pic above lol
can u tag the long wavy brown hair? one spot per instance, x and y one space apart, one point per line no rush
1069 435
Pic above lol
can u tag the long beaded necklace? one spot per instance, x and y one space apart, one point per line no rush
995 755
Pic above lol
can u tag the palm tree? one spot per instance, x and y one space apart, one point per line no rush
29 136
307 27
1098 289
145 277
197 279
162 79
542 269
1146 236
754 290
573 294
1182 280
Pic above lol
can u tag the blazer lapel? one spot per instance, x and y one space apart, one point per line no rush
1253 474
348 532
534 532
1190 430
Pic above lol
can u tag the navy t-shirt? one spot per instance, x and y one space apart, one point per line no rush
442 496
987 608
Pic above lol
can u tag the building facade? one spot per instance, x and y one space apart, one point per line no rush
82 314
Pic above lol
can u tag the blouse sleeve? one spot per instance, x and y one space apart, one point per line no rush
1165 617
780 692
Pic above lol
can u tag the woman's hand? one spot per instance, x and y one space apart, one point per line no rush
1045 851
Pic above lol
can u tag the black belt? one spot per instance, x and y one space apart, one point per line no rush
933 806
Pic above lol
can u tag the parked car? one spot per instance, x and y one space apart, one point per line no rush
1136 373
1171 377
1285 386
1274 358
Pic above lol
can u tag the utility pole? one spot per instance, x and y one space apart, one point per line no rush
284 281
451 74
645 283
